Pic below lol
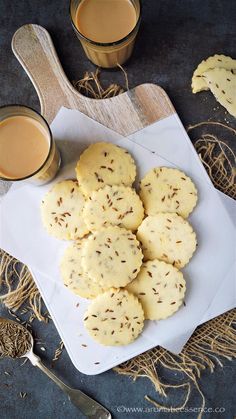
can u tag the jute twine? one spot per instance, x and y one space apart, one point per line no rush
213 341
90 85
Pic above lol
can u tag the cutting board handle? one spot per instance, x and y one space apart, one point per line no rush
33 47
125 113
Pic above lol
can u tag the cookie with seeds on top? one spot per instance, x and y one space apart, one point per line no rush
73 275
168 237
113 205
61 211
104 164
160 288
114 318
112 257
221 61
164 189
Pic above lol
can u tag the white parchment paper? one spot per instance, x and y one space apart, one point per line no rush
22 235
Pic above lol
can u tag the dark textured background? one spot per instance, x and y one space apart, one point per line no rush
175 36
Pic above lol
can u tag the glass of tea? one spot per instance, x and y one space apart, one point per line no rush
27 149
106 29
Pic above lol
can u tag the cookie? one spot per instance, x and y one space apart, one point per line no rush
113 205
167 237
222 84
104 164
112 257
160 288
73 275
164 189
61 211
114 318
215 61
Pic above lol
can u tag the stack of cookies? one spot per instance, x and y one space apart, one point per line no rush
217 74
127 248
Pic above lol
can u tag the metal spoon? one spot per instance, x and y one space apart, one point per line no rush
89 407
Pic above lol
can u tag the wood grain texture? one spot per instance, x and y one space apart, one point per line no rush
126 113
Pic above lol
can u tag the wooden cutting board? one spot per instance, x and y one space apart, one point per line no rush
126 113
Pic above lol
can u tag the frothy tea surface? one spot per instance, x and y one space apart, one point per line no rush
24 146
105 20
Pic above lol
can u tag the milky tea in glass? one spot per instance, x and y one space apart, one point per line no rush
27 149
106 28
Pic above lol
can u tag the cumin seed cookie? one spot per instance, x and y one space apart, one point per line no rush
160 288
222 83
112 257
104 164
167 237
61 211
73 275
113 205
114 318
164 189
215 61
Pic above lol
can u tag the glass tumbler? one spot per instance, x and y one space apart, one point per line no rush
51 165
107 55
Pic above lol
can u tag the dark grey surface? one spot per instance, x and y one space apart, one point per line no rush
175 36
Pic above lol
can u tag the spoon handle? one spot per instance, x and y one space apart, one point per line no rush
89 407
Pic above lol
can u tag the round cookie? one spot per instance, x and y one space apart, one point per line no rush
160 288
113 205
73 275
114 318
112 257
61 211
104 164
164 189
167 237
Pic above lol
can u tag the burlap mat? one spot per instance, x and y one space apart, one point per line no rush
213 341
